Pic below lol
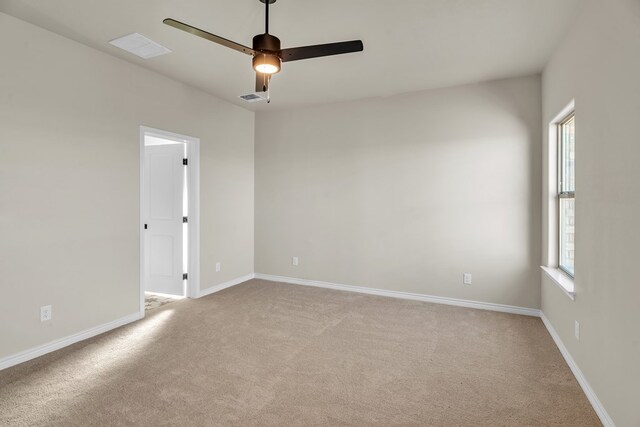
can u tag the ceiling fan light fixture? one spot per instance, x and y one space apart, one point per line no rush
266 63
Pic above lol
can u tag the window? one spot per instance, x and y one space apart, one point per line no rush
566 193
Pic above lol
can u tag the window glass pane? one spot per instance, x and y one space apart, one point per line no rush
568 155
567 234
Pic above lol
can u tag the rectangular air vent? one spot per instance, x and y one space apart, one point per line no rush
139 45
253 97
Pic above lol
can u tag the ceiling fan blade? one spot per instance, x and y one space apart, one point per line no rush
208 36
316 51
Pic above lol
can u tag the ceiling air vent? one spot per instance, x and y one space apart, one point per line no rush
140 46
252 97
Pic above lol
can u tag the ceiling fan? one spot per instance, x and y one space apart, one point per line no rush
267 54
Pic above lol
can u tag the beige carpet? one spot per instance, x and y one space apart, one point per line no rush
153 301
263 353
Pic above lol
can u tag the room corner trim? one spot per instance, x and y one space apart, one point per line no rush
588 391
404 295
41 350
225 285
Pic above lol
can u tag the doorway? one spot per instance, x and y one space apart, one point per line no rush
169 216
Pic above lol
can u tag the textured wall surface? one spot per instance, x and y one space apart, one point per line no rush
598 65
407 193
69 179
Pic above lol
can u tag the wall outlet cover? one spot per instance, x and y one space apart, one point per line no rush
46 313
466 278
295 261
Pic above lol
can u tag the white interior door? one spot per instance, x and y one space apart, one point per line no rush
163 196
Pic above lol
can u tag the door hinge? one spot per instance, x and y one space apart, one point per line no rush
184 276
185 219
185 162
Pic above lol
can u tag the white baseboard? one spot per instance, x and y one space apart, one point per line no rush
225 285
26 355
23 356
588 391
404 295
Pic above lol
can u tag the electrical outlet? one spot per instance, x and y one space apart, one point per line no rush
46 313
294 261
218 267
576 330
466 278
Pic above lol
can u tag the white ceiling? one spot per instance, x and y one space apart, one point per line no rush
409 45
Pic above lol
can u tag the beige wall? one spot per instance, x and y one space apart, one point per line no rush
407 193
69 180
599 65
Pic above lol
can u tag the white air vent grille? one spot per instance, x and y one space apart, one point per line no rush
139 45
252 97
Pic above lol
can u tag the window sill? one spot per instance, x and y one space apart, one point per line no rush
562 280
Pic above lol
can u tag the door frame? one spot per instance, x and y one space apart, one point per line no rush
193 192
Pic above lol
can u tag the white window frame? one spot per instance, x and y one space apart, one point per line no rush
552 270
569 195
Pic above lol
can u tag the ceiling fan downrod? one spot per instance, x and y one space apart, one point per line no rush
267 3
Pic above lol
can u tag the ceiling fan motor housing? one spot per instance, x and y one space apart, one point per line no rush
267 49
266 43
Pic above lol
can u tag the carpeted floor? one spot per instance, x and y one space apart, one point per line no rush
264 353
153 301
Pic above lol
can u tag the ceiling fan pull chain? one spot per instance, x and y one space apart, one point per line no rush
268 88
